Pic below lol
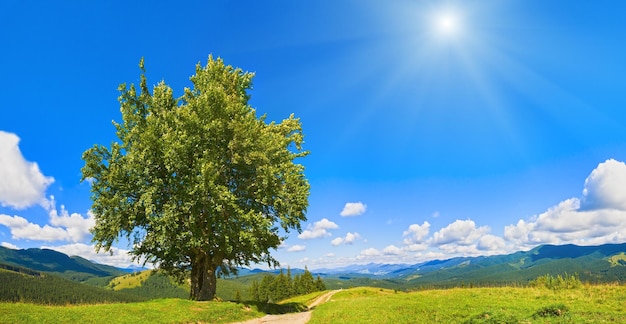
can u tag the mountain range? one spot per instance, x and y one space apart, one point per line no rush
594 264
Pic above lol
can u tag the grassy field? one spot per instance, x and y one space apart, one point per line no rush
155 311
589 304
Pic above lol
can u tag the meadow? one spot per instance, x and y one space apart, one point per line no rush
587 304
171 310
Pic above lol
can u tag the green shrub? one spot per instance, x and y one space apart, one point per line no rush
557 283
551 311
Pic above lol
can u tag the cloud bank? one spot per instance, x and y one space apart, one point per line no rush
597 217
62 226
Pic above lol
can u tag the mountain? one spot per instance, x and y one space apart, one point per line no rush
74 268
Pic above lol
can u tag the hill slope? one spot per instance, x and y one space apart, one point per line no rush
73 268
26 285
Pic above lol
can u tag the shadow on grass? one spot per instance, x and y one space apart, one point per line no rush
275 309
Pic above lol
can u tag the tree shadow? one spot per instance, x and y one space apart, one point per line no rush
275 309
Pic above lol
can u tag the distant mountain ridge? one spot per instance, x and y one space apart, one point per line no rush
45 260
604 263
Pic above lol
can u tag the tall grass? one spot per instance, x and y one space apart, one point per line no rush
588 304
155 311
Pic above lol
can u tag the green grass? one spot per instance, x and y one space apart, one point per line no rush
155 311
589 304
130 280
618 259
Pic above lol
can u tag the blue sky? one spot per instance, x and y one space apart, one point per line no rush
436 128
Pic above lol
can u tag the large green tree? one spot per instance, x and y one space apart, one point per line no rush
199 185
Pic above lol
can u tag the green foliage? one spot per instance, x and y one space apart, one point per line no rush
276 288
199 182
552 311
557 283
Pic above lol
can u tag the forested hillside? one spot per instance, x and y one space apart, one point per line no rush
74 268
26 285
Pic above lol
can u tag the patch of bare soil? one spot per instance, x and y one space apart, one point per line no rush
292 318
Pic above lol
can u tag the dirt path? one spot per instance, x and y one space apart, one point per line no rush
292 318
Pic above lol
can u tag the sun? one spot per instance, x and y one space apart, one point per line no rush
447 23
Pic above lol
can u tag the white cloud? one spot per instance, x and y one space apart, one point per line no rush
490 243
117 257
296 248
21 182
349 239
353 209
463 232
9 246
319 229
22 229
62 226
598 217
76 225
369 252
417 233
392 250
418 247
605 187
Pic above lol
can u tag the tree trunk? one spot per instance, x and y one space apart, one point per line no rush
203 279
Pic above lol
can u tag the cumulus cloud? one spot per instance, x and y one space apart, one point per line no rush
117 257
392 250
353 209
21 228
463 232
416 233
62 226
369 252
296 248
318 229
598 217
349 239
604 187
9 246
490 243
21 182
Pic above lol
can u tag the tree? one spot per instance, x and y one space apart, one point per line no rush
198 185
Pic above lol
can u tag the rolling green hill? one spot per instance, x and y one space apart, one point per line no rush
74 268
26 285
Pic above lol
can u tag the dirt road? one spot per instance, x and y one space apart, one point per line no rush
292 318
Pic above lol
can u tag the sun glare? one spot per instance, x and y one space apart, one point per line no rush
446 23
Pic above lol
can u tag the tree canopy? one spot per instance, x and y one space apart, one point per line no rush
198 185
